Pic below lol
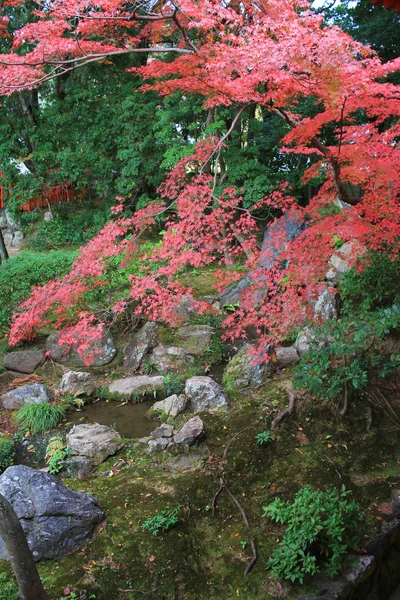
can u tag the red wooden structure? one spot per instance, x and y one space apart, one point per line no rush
54 195
389 4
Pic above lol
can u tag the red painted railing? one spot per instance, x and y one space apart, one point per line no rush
54 195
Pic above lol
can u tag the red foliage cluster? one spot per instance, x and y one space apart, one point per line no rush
271 53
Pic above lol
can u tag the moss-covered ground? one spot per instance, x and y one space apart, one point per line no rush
204 556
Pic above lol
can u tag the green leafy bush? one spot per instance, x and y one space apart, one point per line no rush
56 451
20 273
163 521
6 452
370 312
8 588
321 527
38 418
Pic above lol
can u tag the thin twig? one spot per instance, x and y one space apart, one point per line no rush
287 412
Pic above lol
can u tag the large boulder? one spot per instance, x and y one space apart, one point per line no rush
171 406
276 239
192 431
244 371
170 358
285 357
308 338
24 361
143 341
100 352
137 385
55 519
196 338
340 261
326 305
77 382
94 441
205 394
28 394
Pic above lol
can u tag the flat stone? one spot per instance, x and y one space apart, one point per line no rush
56 520
172 406
99 353
77 382
158 445
28 394
96 442
143 341
24 361
192 431
163 431
79 467
205 394
140 385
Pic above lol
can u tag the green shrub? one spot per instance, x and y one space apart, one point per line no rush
8 588
163 521
38 418
321 527
174 384
20 273
56 451
6 452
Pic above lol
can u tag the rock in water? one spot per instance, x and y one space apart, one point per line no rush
143 341
24 361
55 519
140 385
28 394
101 352
94 441
205 394
77 382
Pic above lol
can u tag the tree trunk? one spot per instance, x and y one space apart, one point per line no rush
3 250
29 584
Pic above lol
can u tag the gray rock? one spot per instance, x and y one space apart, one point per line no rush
79 467
158 445
326 305
341 260
94 441
24 361
77 382
231 296
286 356
308 339
10 220
3 220
141 385
8 239
55 519
163 431
169 358
196 338
18 239
192 431
363 568
186 308
172 406
278 235
48 216
28 394
100 352
243 370
143 341
205 394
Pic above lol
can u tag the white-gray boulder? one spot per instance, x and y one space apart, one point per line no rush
77 382
143 341
100 352
24 361
94 441
172 406
285 357
243 370
326 305
205 394
192 431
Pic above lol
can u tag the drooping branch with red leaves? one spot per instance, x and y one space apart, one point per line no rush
272 54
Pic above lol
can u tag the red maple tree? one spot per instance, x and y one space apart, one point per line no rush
270 53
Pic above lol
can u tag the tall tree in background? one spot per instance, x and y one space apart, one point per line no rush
249 58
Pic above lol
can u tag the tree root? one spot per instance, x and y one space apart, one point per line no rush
223 487
287 412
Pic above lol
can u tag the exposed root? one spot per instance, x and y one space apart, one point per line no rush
287 412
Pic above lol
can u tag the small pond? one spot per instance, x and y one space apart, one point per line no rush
128 419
